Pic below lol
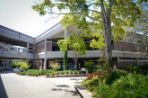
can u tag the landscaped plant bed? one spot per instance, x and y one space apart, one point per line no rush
117 83
51 73
96 74
68 76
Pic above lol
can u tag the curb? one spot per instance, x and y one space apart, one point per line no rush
83 92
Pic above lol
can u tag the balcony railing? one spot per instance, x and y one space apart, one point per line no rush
11 51
92 54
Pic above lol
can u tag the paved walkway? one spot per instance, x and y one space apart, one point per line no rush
16 86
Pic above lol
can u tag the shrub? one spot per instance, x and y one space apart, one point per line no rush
66 72
15 64
45 72
71 72
53 74
55 66
76 72
110 77
89 66
143 69
36 72
19 64
90 84
130 86
24 65
31 72
62 72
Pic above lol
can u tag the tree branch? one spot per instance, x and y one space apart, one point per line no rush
111 2
96 19
103 8
92 4
94 11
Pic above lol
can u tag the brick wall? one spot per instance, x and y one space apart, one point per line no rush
40 47
124 46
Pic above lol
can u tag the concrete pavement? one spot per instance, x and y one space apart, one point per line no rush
16 86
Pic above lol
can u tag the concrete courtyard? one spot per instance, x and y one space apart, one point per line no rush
16 86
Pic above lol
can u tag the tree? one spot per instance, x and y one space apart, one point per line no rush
73 42
63 44
142 22
107 17
141 25
77 44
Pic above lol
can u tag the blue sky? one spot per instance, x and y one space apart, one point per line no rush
19 15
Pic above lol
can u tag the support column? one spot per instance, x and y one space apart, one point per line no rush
65 34
28 47
27 51
5 63
117 61
34 56
45 51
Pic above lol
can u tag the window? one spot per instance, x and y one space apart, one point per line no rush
20 50
12 48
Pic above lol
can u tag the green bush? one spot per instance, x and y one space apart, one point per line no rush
19 64
31 72
113 75
89 66
66 72
90 84
55 66
15 64
143 69
36 72
130 86
76 72
23 65
46 72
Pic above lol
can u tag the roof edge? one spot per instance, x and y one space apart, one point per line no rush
4 27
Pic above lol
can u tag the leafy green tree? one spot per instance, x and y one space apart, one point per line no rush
142 24
107 17
73 42
89 65
63 44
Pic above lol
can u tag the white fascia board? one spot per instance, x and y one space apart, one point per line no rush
6 32
50 32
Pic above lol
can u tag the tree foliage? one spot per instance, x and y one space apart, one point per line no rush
73 42
109 18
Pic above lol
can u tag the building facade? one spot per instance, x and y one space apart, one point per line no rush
43 50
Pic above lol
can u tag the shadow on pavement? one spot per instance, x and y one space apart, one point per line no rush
74 93
57 89
3 93
66 86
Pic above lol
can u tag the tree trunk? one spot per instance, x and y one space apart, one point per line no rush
107 29
108 50
75 60
75 63
65 60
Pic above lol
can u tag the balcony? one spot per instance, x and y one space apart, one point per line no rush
93 54
11 51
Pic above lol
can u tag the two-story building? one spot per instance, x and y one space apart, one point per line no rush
43 50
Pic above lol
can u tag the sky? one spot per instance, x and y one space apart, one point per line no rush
19 15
